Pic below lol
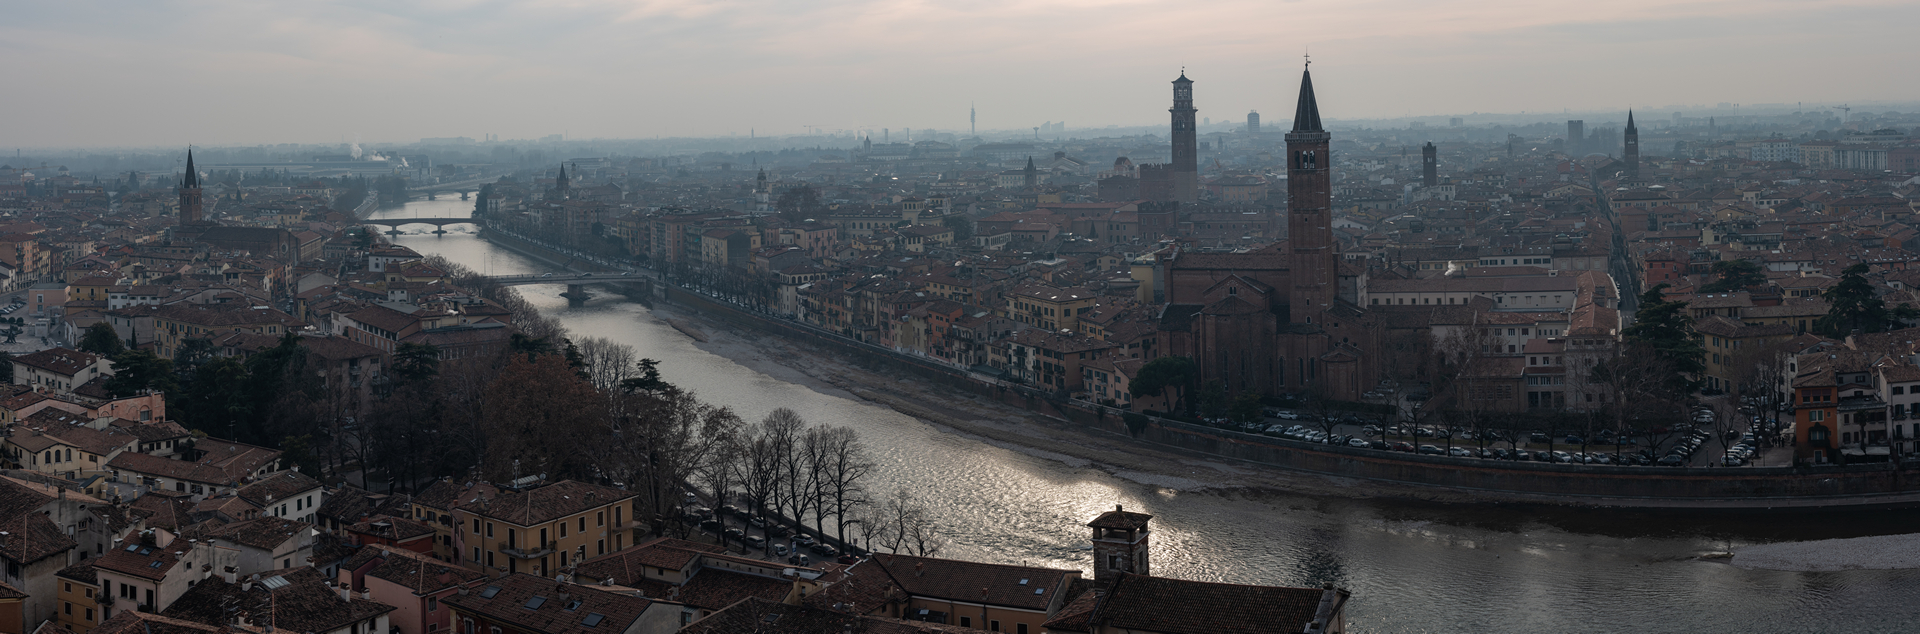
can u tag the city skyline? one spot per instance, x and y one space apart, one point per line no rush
217 74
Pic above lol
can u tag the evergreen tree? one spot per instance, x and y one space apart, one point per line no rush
1735 275
1854 305
1160 374
1666 330
138 371
101 340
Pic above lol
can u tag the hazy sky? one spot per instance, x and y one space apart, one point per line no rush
245 71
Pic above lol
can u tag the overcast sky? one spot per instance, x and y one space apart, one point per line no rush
244 71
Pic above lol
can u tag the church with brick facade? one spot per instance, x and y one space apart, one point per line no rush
1286 318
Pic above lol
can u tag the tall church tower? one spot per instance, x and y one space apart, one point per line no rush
1030 175
1186 147
1313 263
762 192
1632 152
1119 544
1430 165
562 185
190 202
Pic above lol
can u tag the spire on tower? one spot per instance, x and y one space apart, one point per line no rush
192 181
1306 116
1630 128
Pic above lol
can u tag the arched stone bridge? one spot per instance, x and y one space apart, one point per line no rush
394 224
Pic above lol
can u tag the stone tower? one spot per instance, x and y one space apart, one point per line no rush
1311 258
1632 151
561 185
1253 123
191 209
1186 146
1119 544
1576 137
1030 175
1430 165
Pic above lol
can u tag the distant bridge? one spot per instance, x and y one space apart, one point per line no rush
394 224
576 282
570 279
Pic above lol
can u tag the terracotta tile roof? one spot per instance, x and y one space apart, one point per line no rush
142 559
388 527
1120 519
628 566
302 604
761 616
58 360
1178 606
414 571
136 622
955 580
860 588
445 494
278 486
140 463
30 535
546 503
715 588
265 533
164 511
506 600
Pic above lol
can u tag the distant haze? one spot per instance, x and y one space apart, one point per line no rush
246 72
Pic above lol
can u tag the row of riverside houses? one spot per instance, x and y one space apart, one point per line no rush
282 551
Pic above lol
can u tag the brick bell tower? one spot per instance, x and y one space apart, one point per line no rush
190 204
1119 544
1314 264
1186 145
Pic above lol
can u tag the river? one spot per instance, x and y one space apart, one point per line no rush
1412 567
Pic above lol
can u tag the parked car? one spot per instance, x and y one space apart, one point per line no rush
1538 437
1403 446
711 523
733 532
1672 460
777 530
803 539
754 541
758 522
780 550
825 550
1357 442
1379 444
1460 452
1432 450
1562 457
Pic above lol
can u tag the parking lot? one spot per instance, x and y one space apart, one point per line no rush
1690 444
741 530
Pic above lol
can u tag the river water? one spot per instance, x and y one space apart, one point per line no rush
1412 567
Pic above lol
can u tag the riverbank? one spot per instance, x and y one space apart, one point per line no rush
1235 461
983 420
1885 552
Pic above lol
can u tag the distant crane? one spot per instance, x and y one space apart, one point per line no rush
1845 112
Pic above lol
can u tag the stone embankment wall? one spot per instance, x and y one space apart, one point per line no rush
1744 487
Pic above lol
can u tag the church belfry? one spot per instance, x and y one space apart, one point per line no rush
191 205
1030 175
1119 544
1311 258
1429 165
1186 146
561 185
1632 150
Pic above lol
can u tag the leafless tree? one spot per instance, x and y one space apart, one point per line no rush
607 363
845 463
901 524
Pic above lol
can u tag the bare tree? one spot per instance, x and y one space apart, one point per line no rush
608 363
903 524
845 464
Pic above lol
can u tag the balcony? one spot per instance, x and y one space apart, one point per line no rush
529 553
